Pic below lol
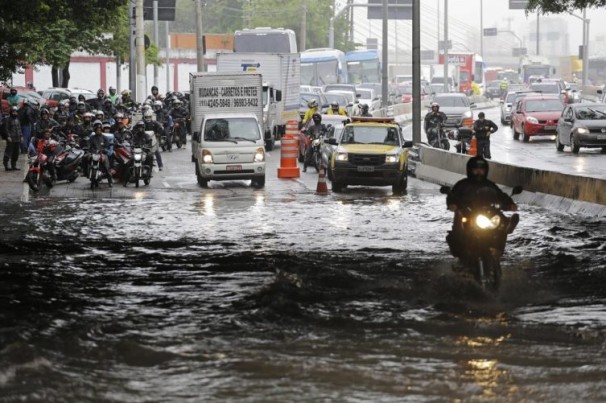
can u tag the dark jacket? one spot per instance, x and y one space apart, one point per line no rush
468 193
433 118
483 128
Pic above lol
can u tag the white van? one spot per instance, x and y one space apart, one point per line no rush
231 147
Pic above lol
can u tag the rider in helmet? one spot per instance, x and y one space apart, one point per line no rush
156 127
97 103
434 119
142 139
364 111
465 193
312 132
335 110
126 101
113 95
313 108
98 142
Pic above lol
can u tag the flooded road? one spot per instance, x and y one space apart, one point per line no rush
235 294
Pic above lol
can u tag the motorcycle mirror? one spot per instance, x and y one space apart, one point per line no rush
517 190
445 189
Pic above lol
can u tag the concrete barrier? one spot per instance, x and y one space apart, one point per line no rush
562 192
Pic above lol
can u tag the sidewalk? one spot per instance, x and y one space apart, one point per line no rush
11 182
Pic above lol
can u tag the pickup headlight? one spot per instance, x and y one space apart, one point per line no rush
341 156
467 115
532 119
259 155
391 159
582 130
207 157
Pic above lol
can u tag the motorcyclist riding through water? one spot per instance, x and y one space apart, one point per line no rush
313 132
470 192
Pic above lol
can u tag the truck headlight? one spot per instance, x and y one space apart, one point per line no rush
391 159
259 155
341 156
582 130
532 119
207 157
467 115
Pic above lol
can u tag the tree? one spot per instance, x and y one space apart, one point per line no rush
48 32
561 6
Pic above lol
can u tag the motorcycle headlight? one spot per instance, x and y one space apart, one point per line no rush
532 119
484 222
315 142
391 159
138 157
207 157
341 156
259 155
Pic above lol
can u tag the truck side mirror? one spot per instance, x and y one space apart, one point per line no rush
278 95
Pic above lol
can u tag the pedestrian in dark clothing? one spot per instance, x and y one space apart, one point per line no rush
14 135
482 129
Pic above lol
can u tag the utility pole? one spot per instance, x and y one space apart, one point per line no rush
384 83
167 56
156 39
132 54
482 29
538 49
446 80
416 71
140 45
199 37
303 41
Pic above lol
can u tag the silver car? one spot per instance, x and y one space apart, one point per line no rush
457 108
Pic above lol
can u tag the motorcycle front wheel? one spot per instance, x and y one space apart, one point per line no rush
489 272
33 180
317 161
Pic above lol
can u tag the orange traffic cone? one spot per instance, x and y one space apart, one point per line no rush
322 188
473 146
289 152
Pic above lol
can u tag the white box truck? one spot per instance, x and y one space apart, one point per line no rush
227 140
281 83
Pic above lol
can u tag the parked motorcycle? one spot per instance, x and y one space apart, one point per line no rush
463 135
437 138
484 229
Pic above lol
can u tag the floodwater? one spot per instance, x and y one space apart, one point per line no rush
239 295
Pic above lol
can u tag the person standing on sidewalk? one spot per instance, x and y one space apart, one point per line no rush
14 136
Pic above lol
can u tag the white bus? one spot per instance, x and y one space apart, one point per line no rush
323 66
265 40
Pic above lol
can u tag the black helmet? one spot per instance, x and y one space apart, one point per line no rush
316 117
100 93
476 162
481 115
364 107
140 124
154 88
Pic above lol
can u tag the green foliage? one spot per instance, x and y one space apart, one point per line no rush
227 16
48 31
560 6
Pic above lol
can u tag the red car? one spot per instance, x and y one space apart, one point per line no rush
536 115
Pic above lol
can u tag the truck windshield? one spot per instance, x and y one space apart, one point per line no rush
229 129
